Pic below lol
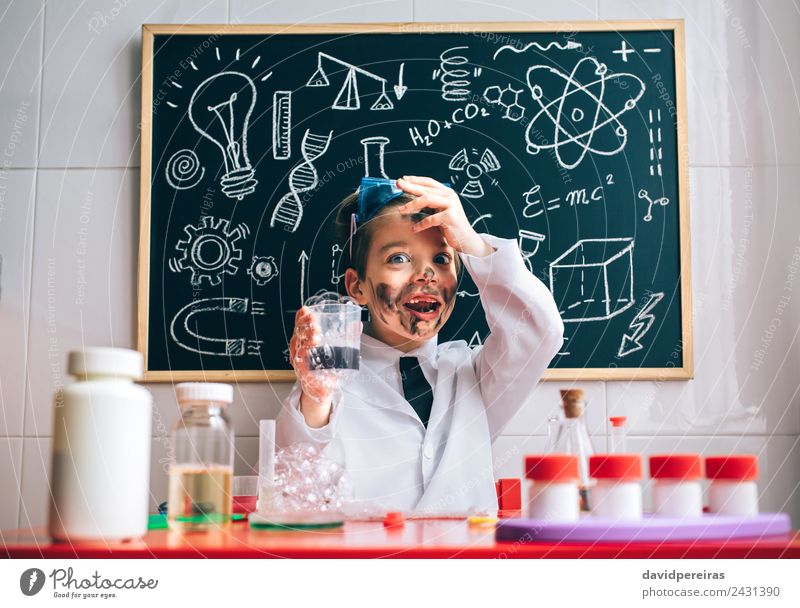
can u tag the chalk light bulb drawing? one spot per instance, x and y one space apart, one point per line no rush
220 110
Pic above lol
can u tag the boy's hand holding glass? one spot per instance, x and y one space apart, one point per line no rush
448 214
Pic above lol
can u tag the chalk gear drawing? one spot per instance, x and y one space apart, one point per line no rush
209 250
263 269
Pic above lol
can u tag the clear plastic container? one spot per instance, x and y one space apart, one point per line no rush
337 351
201 475
100 479
733 489
677 491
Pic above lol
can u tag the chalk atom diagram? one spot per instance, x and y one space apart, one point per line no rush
574 109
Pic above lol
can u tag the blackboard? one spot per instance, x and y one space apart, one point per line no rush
569 138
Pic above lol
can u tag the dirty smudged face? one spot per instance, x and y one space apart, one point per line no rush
409 284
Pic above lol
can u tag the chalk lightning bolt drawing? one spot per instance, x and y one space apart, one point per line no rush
640 325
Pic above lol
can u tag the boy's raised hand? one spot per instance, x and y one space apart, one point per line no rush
449 214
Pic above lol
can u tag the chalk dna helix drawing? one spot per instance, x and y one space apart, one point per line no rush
183 170
574 110
220 110
183 328
302 178
210 250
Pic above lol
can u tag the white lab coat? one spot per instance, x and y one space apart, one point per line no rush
391 458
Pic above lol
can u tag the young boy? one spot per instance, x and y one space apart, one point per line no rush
416 424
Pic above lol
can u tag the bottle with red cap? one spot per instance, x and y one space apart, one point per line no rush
617 493
733 489
677 491
617 438
553 490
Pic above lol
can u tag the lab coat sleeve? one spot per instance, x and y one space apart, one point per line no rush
526 330
291 426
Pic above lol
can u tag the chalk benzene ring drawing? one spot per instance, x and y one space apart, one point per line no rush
508 98
183 170
191 340
568 132
209 250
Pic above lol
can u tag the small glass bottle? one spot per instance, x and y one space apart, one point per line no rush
201 475
617 437
573 438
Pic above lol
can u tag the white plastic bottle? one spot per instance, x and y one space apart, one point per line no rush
733 489
618 493
677 491
553 489
100 481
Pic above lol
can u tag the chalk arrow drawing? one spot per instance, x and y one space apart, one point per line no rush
640 325
399 88
302 259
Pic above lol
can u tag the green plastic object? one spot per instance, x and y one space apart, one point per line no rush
158 521
296 521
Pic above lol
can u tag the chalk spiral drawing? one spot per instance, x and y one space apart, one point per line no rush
183 170
474 170
454 78
577 112
508 99
569 45
183 328
641 324
210 250
302 178
348 97
220 111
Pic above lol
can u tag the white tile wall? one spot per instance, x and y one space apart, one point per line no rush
743 75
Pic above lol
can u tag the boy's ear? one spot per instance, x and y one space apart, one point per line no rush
354 286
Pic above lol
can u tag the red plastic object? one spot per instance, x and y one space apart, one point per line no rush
394 519
625 467
685 467
737 467
552 467
244 504
509 497
618 420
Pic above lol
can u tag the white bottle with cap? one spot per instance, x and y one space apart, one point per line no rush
100 480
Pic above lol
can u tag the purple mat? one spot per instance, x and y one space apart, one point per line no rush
650 528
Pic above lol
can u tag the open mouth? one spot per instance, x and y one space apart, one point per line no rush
423 306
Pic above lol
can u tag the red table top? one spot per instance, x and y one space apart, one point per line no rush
415 539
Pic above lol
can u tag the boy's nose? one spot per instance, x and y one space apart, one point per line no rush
426 274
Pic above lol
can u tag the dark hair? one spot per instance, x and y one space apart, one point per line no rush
362 239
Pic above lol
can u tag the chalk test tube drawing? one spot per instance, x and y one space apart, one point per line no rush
569 45
574 110
374 151
455 79
183 170
656 150
507 98
210 250
661 202
281 125
220 111
302 178
184 332
593 279
348 97
641 324
262 269
474 170
529 242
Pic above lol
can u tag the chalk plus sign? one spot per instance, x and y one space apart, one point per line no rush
624 51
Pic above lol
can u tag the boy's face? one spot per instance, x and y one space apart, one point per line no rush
410 282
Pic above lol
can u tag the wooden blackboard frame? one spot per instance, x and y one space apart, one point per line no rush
149 31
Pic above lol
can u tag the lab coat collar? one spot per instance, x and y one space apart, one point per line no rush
388 355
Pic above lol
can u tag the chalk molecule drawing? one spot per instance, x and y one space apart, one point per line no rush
662 201
183 328
507 98
474 170
576 110
348 97
220 111
593 279
641 324
262 269
183 170
210 250
302 178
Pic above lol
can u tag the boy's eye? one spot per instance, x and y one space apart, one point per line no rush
398 258
442 258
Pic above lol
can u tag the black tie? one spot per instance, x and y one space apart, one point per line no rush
416 389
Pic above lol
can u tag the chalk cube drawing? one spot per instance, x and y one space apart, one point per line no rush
593 279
